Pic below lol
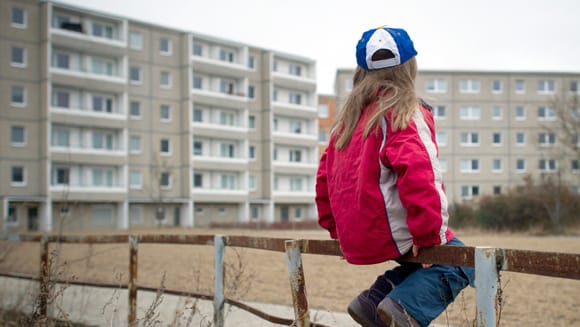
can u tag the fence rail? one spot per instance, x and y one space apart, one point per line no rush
488 263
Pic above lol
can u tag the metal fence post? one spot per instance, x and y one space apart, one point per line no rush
486 285
132 286
218 298
297 283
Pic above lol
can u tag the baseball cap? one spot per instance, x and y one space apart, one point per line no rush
384 47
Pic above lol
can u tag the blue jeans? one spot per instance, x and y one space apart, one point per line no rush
426 293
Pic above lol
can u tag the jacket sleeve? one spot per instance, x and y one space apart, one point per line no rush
412 154
325 217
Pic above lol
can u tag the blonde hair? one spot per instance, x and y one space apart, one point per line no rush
395 89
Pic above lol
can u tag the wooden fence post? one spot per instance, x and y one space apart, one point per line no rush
487 285
44 294
297 283
132 286
218 298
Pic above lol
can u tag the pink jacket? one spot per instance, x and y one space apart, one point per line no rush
380 195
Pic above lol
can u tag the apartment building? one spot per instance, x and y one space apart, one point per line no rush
495 128
326 116
110 122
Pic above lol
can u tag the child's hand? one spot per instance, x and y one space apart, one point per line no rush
416 253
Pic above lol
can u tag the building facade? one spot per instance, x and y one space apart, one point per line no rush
495 128
110 122
326 116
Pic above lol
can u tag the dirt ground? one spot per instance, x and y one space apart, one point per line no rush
262 276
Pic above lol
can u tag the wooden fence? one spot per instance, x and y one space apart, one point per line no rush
488 263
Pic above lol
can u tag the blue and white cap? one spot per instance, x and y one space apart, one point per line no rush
384 47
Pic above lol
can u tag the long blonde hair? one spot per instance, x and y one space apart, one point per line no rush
395 87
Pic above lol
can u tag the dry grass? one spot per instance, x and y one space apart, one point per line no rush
331 282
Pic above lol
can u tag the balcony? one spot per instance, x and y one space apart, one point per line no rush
295 110
217 130
286 80
219 67
209 162
287 167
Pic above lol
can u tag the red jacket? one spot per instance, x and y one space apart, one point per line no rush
382 194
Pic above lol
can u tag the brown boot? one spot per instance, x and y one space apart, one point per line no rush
394 315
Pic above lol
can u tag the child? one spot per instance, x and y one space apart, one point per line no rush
379 187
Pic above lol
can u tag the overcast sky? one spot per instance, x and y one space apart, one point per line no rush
537 35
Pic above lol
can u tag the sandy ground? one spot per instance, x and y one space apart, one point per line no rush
262 276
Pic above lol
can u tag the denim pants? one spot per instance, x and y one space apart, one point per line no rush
425 293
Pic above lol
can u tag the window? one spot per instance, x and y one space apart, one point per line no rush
18 57
575 87
496 138
443 165
60 136
520 113
18 176
228 182
441 138
252 183
546 139
252 121
546 87
323 110
469 191
436 86
227 55
61 176
17 136
103 30
165 46
135 144
101 66
295 70
18 96
12 216
102 104
165 113
251 92
295 156
497 189
136 179
469 86
61 99
520 138
19 17
197 115
496 86
136 40
496 165
135 75
469 166
102 177
520 86
227 86
469 139
298 213
165 146
439 112
322 137
251 62
227 118
197 148
61 60
296 127
197 82
136 215
469 113
197 180
102 216
102 140
227 150
135 109
496 113
296 184
548 165
575 165
197 49
165 180
545 113
520 165
165 80
252 152
295 98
